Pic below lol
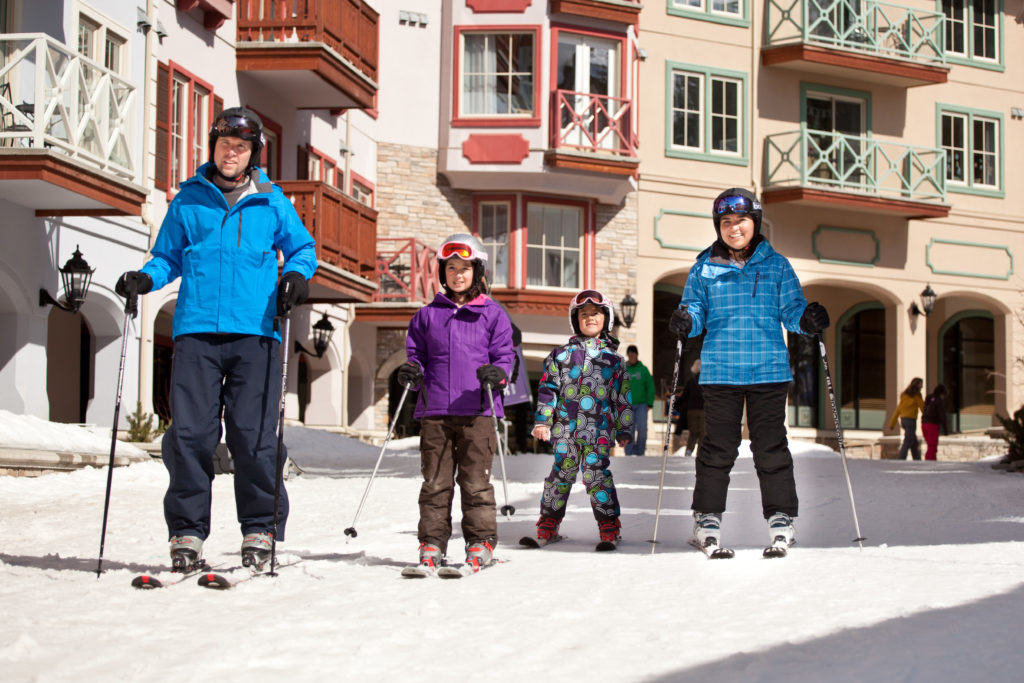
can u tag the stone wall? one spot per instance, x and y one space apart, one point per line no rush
616 247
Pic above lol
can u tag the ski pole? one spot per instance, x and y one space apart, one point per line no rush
279 463
664 451
131 309
839 436
351 531
506 509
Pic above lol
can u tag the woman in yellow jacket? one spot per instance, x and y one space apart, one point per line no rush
911 403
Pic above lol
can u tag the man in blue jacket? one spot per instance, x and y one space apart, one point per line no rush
221 235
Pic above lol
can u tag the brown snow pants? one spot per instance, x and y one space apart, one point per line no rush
457 449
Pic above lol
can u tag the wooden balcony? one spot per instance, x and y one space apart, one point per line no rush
314 54
619 11
592 133
406 271
67 139
346 236
855 172
862 39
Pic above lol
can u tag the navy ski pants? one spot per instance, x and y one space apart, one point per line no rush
243 372
766 420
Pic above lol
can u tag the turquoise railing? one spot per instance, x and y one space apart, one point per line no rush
854 163
862 25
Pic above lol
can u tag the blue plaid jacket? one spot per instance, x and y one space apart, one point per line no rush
743 310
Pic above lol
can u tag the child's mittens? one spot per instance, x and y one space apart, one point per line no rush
491 377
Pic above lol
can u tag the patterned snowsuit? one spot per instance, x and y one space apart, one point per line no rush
584 398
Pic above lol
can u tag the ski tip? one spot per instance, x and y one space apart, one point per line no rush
722 554
605 546
215 581
146 582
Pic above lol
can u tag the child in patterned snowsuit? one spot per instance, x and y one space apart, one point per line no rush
583 404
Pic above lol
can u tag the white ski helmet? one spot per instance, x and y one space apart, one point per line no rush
468 248
591 296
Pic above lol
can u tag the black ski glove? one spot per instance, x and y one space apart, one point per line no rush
492 376
291 291
410 375
133 283
814 319
680 323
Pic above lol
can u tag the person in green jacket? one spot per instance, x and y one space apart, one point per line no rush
641 388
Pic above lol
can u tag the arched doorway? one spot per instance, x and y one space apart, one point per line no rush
69 366
862 367
967 343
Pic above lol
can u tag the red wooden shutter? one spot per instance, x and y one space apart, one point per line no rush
162 152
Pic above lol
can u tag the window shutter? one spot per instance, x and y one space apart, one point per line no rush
302 164
162 151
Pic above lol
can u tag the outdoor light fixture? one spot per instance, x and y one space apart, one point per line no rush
927 303
76 275
322 332
142 22
628 308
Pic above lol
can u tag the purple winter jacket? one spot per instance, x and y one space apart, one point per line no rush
449 343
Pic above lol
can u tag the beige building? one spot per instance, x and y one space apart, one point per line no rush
881 140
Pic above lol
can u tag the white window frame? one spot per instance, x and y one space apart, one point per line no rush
706 114
494 247
464 98
969 119
538 280
966 27
106 30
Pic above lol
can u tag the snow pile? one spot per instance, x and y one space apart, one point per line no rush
32 433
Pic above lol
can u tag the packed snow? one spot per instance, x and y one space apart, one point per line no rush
935 594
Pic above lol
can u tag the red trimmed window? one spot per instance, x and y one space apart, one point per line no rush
185 109
496 76
362 190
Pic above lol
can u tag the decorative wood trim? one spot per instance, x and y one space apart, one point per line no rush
533 301
496 149
510 6
923 74
345 289
868 203
385 314
619 11
578 162
50 167
298 57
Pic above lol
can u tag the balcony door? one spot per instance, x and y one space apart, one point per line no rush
588 73
835 147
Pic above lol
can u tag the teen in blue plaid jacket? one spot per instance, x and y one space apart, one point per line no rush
743 292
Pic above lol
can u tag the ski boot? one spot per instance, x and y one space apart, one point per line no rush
479 554
256 549
186 553
781 532
609 531
431 556
707 535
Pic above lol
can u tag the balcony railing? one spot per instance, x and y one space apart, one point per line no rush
349 27
593 123
865 26
345 230
855 163
406 270
52 97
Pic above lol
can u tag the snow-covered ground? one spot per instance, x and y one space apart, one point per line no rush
936 594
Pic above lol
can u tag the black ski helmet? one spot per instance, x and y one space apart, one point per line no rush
242 123
739 201
468 248
591 296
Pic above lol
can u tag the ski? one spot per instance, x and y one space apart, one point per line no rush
531 542
418 571
228 579
457 571
778 548
151 581
713 551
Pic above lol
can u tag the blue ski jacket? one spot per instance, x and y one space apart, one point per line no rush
744 308
227 256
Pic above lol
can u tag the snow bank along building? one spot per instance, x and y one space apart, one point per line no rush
581 140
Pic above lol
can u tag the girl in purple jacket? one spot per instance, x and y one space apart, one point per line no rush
460 347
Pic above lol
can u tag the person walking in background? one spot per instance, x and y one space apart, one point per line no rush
459 346
692 401
742 293
641 398
583 405
933 420
221 236
911 403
